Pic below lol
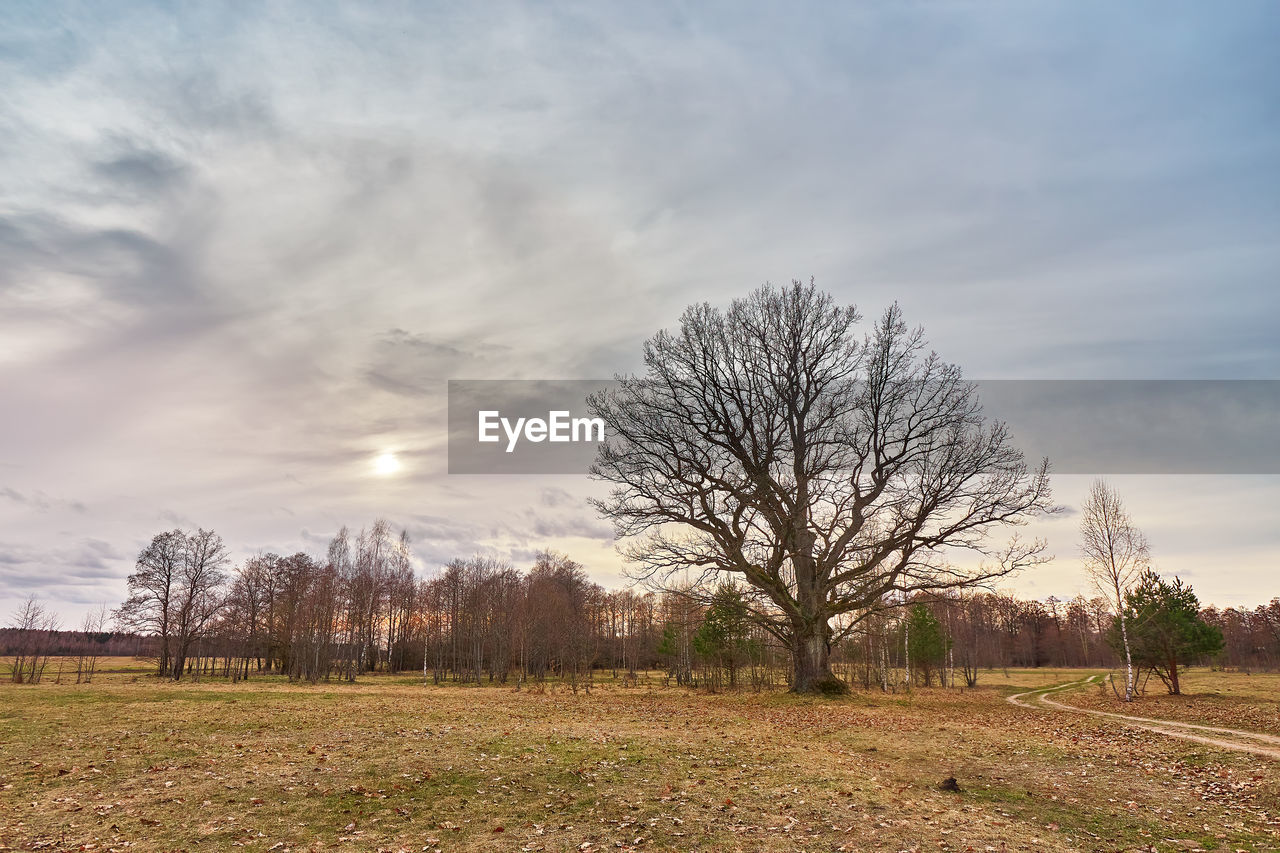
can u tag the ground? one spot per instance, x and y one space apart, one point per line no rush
130 763
1233 699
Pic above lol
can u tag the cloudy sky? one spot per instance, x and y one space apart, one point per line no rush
243 247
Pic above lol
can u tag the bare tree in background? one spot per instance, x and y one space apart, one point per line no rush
92 629
36 629
832 474
247 608
1115 554
199 592
402 603
149 609
175 593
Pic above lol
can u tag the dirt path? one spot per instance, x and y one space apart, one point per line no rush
1236 740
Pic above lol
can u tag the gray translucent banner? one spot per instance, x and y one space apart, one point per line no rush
1083 426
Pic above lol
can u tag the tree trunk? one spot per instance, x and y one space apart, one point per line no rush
906 650
1128 658
164 652
812 657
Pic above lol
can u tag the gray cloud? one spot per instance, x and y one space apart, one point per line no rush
151 282
554 496
414 365
176 519
41 502
202 100
142 172
232 275
578 526
89 564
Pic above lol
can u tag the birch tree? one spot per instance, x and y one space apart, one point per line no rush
1115 554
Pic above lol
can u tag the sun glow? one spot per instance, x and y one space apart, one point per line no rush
386 465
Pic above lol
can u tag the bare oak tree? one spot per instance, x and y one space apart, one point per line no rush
1115 555
832 474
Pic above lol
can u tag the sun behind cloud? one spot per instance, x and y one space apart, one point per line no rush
386 464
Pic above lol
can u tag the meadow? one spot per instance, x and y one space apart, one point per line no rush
132 763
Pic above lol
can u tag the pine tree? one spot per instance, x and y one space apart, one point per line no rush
927 645
1165 628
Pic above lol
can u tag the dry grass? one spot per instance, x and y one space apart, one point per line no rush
1231 699
130 763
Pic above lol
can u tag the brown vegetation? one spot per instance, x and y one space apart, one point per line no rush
389 765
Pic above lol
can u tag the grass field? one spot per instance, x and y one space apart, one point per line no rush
129 763
1211 698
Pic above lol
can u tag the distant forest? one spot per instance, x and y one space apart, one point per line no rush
362 610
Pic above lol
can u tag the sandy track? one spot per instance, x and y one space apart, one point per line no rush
1237 740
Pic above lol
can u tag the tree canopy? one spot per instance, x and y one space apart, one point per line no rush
833 473
1165 627
927 644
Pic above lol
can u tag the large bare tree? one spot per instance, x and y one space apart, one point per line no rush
153 590
175 593
1115 555
832 472
200 595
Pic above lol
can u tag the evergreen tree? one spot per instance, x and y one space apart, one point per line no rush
1165 627
722 637
927 645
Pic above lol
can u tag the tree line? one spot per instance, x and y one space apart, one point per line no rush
36 640
361 609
